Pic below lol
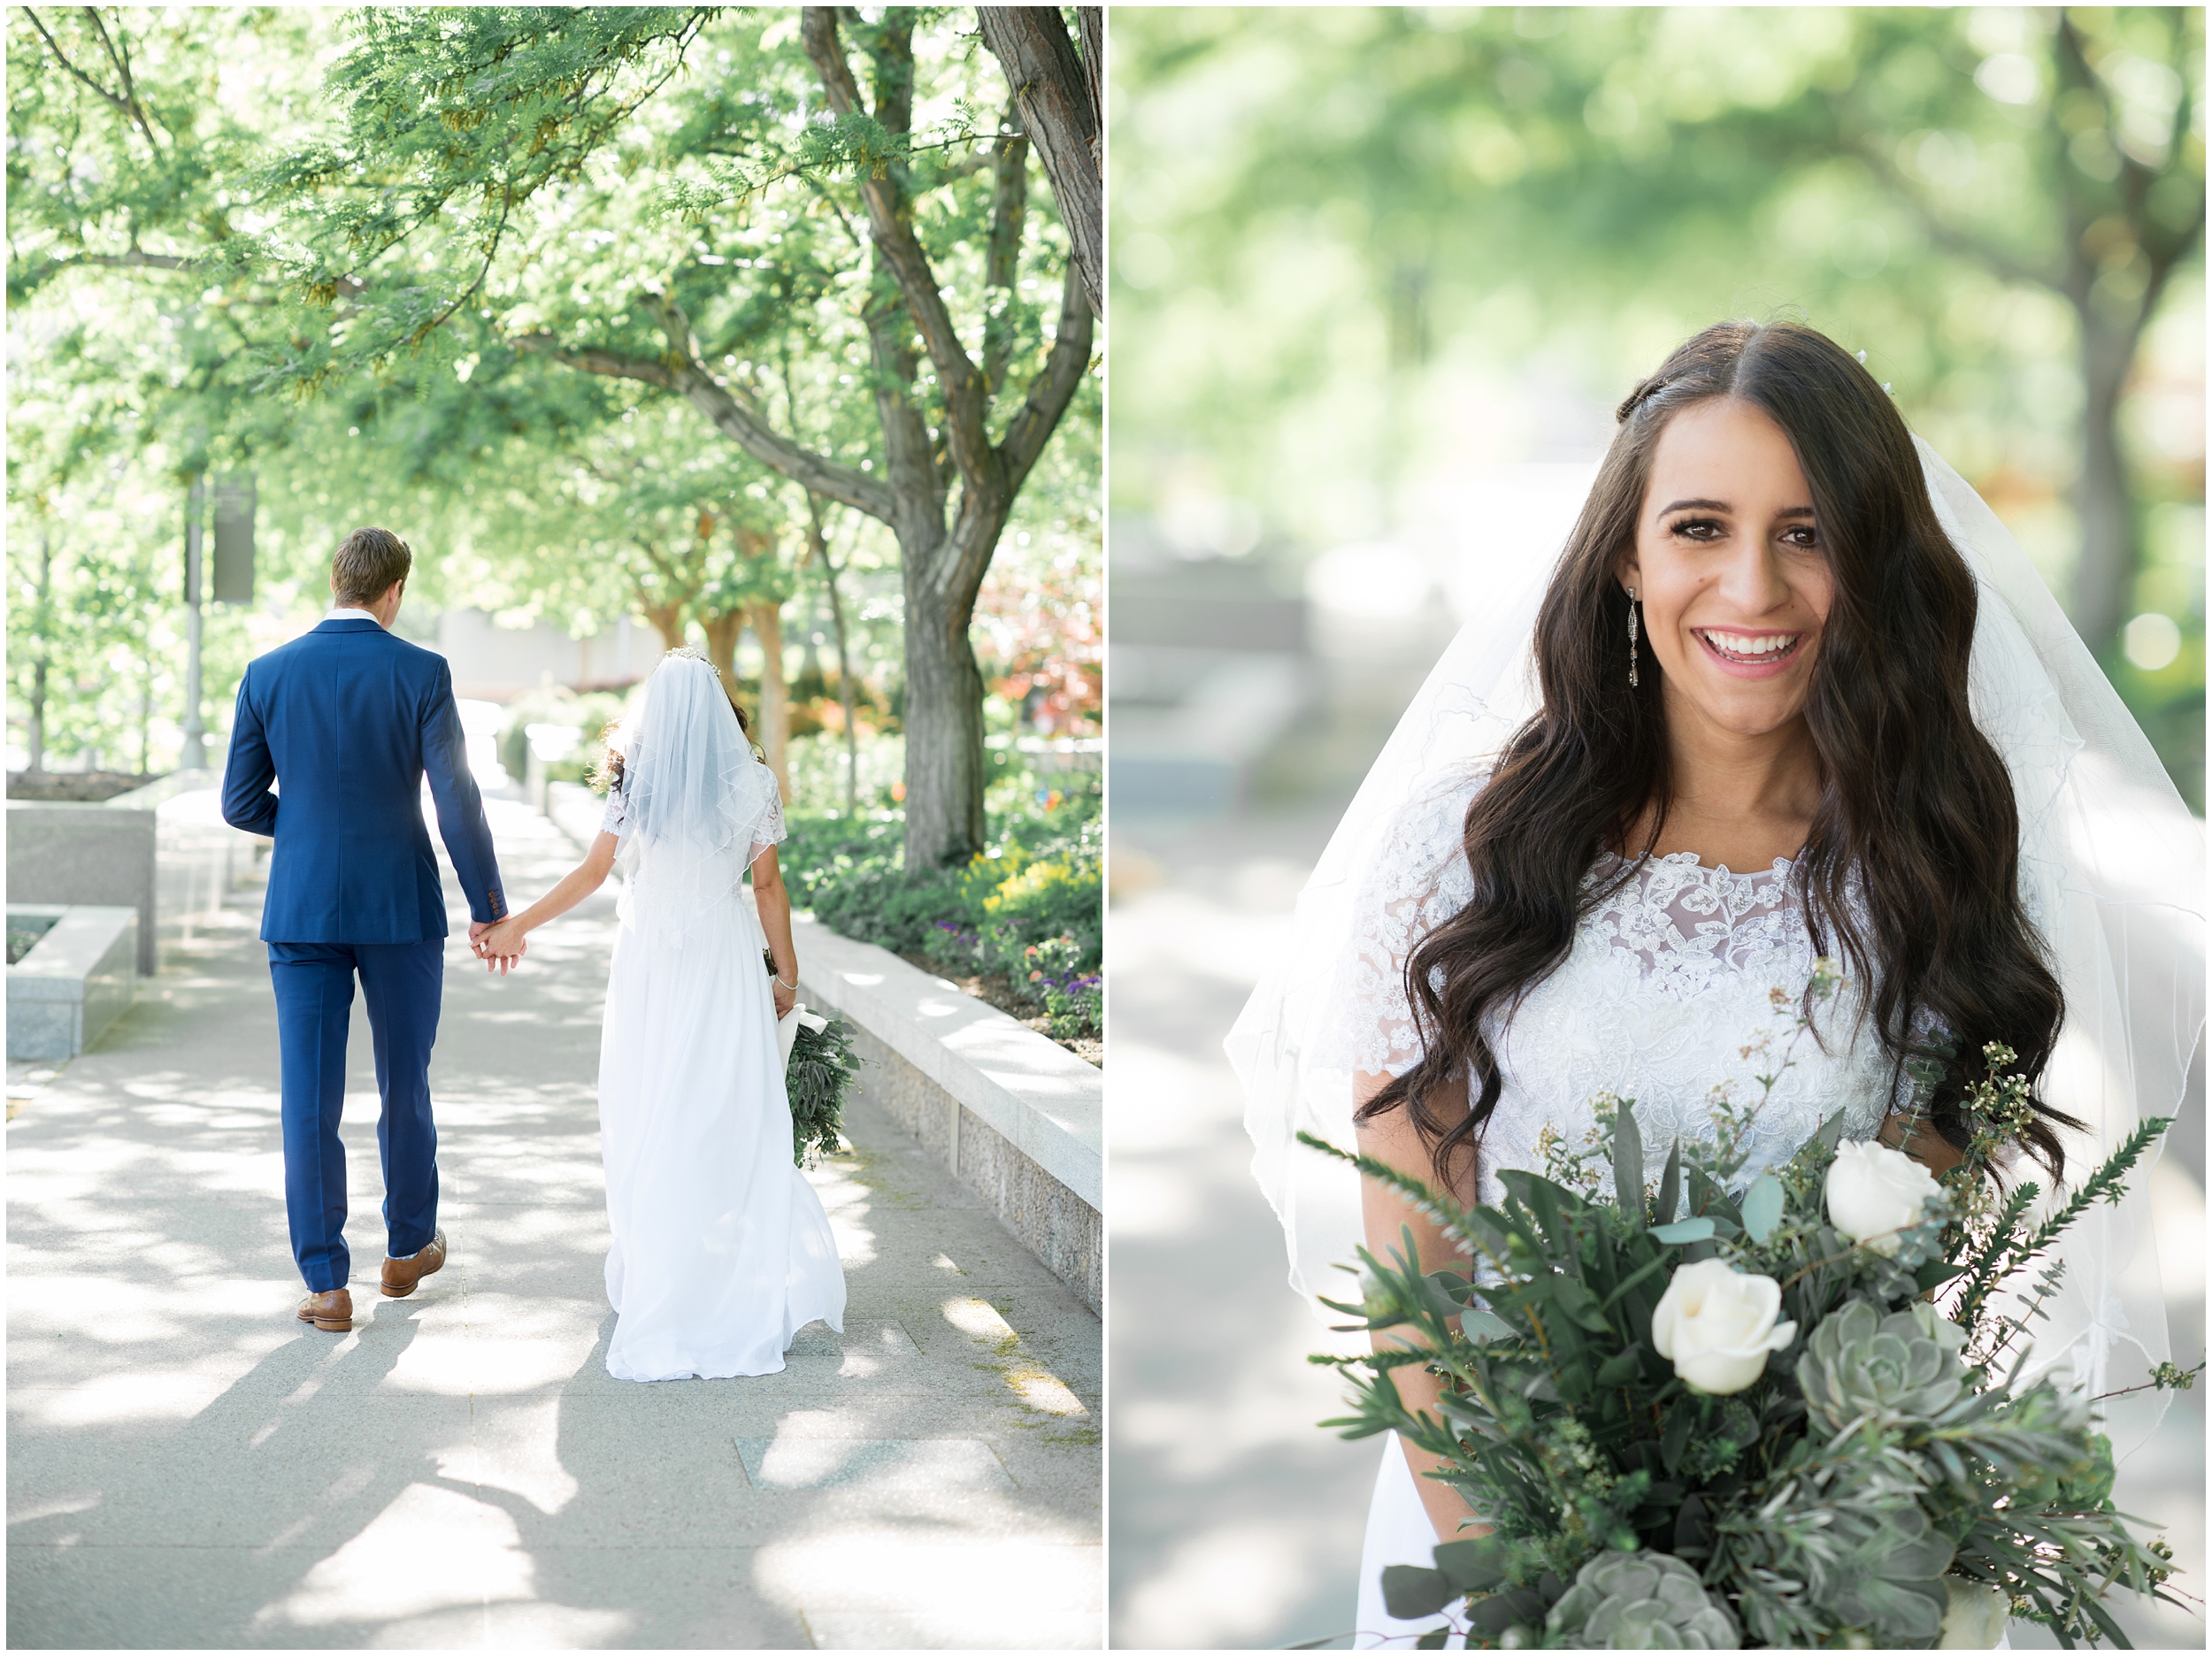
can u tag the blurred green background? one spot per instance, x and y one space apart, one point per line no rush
1380 277
1356 249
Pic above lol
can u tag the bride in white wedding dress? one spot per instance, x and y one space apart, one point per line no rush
722 1250
1790 692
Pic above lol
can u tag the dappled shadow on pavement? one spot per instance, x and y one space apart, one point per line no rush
189 1465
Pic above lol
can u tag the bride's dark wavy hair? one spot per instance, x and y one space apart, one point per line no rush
1913 796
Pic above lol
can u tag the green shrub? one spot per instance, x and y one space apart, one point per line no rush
1029 907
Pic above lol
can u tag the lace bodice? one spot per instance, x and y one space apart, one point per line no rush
1669 982
769 830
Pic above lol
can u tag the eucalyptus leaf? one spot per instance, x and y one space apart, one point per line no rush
1698 1229
1670 1185
1628 1162
1411 1591
1619 1371
1762 1208
1934 1274
1675 1439
1579 1304
1474 1565
1478 1325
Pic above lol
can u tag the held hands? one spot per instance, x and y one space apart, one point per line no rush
499 945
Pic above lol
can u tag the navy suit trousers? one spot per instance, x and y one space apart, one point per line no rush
403 984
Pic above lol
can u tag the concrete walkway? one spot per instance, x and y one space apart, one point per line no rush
188 1466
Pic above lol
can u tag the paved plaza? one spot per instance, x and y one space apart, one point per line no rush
190 1467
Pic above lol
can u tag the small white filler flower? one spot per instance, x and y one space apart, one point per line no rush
1875 1192
1717 1324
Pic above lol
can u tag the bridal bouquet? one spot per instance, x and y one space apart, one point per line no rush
822 1070
1701 1414
824 1067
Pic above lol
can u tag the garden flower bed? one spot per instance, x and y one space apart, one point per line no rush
1019 926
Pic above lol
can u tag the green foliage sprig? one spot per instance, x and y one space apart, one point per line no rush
824 1071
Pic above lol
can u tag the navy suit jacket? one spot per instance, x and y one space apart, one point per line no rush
348 720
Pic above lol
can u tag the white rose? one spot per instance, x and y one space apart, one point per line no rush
1717 1324
1875 1192
1976 1616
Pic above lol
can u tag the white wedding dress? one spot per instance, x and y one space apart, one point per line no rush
722 1250
1668 982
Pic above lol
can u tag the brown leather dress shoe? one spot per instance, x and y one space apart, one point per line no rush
402 1275
331 1312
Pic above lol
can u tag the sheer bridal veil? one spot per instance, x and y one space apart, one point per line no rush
2111 872
695 797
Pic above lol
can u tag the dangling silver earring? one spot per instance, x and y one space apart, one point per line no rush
1631 638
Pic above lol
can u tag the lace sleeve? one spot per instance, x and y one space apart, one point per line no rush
1419 880
615 820
770 829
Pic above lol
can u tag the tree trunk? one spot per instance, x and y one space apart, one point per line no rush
818 538
772 730
34 726
722 631
944 723
667 619
146 718
1058 94
2104 577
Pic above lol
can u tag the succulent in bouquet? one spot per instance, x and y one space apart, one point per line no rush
1704 1411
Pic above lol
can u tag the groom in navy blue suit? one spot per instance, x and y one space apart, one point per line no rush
347 721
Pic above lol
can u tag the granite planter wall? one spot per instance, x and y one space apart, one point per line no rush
1019 1119
74 981
70 855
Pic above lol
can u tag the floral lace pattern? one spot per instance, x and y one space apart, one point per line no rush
769 830
1664 997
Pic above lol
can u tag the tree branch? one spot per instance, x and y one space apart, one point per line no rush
891 228
1941 231
121 60
1058 92
686 373
1001 263
611 365
1053 386
62 57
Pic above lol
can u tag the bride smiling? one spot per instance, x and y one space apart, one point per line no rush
1790 692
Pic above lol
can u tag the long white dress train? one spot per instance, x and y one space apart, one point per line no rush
722 1250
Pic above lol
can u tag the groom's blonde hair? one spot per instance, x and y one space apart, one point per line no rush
367 563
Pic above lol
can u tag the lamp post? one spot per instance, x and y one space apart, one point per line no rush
195 755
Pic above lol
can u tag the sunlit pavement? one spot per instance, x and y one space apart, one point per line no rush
1236 1521
188 1466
